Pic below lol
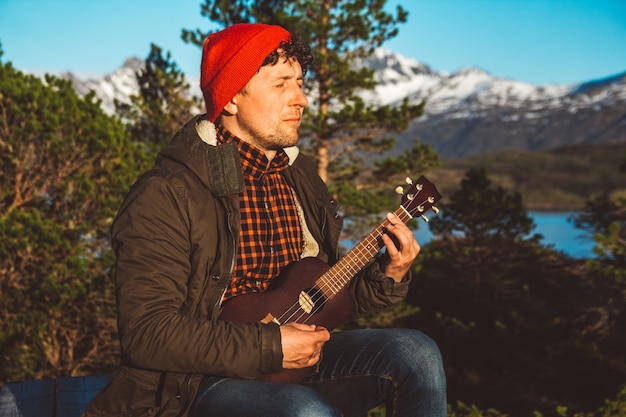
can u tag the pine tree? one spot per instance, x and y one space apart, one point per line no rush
605 217
65 165
163 103
503 308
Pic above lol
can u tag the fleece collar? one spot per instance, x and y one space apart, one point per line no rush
206 131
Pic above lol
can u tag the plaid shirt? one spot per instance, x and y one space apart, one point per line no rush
270 236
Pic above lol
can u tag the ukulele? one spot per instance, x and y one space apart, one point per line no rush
311 291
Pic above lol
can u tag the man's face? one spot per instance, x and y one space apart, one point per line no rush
268 111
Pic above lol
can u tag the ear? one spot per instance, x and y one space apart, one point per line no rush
231 106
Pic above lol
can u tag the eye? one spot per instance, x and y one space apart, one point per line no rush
280 83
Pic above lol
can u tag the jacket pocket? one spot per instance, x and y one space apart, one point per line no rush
124 397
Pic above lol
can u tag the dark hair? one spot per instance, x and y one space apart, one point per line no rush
293 48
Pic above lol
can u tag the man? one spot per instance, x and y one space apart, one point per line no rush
228 205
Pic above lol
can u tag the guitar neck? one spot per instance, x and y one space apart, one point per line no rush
340 274
420 197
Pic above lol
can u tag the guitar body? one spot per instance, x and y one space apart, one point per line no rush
282 302
311 292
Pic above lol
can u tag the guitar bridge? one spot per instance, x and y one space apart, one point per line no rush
311 300
306 302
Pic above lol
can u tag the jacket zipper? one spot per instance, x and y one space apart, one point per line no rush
185 399
233 251
233 241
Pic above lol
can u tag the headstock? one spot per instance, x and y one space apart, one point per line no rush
420 197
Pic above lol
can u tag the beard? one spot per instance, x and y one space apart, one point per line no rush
280 136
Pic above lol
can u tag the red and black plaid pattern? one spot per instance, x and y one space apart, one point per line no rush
270 236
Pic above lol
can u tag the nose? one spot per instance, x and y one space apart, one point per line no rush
299 98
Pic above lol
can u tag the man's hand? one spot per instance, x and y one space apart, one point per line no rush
302 344
401 257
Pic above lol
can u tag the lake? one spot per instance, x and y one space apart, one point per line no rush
557 232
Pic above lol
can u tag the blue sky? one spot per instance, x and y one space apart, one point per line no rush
537 41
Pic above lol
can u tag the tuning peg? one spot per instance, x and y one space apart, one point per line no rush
399 190
435 209
408 180
424 218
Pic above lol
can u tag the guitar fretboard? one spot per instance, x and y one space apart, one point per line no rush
346 268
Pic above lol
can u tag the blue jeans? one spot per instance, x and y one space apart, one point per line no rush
359 370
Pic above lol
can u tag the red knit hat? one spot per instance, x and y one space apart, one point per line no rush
231 57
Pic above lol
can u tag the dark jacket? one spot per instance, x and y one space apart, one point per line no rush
175 238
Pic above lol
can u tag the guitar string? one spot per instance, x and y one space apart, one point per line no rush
367 246
361 248
327 284
350 266
363 253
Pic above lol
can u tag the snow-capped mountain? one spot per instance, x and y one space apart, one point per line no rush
471 111
467 112
119 85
